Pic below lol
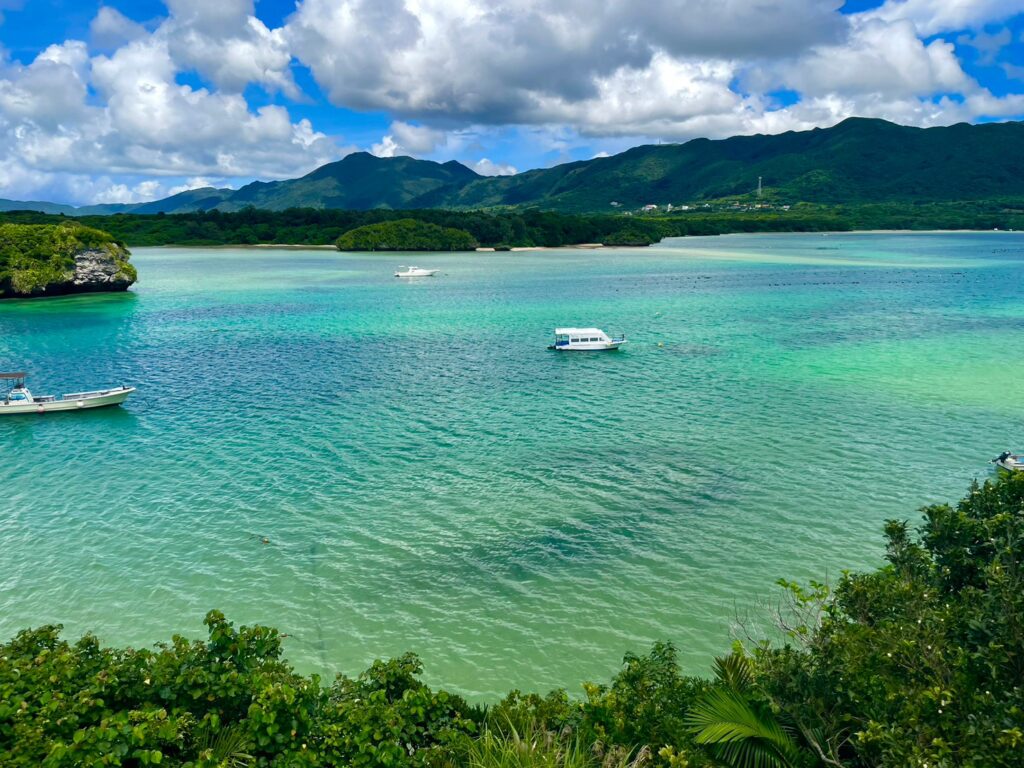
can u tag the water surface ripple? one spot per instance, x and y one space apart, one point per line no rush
430 478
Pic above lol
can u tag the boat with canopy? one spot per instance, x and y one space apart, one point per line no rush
585 340
18 399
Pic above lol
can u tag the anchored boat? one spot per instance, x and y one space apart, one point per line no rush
1007 462
415 272
585 340
18 398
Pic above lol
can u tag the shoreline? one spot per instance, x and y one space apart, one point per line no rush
591 246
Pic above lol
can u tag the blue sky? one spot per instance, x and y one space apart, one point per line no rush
128 100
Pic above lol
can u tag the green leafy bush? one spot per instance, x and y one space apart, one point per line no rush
918 662
35 257
406 235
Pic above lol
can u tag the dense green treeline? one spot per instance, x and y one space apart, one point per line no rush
310 226
918 663
406 235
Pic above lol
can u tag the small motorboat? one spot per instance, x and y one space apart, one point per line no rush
585 340
415 272
18 399
1008 462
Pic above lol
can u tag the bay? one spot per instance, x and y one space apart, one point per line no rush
375 466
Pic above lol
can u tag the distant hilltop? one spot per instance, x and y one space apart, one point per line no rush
860 160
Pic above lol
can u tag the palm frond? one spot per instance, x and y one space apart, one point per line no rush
735 670
739 733
225 746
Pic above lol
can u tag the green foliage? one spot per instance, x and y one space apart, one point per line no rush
513 228
645 702
918 662
35 258
921 661
405 235
630 236
533 747
738 726
227 701
741 733
387 717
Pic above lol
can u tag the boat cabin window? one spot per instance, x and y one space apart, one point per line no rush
17 396
576 341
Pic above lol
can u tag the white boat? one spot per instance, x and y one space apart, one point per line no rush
585 340
18 398
1007 462
415 272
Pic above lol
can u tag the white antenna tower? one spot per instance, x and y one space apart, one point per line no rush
758 186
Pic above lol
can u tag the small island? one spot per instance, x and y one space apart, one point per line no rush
61 259
406 235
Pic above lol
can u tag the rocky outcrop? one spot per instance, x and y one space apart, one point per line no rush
102 269
48 260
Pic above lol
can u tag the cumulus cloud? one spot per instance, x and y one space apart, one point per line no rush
111 29
228 45
408 139
490 63
884 60
462 78
68 114
617 68
930 17
486 167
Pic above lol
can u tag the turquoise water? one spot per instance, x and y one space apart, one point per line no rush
431 478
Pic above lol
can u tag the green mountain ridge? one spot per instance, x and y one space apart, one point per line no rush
860 160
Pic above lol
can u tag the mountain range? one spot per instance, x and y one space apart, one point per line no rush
856 161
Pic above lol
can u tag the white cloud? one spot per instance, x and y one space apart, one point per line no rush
408 139
230 56
615 68
386 147
66 115
485 167
111 29
883 60
485 62
49 93
465 78
930 17
196 182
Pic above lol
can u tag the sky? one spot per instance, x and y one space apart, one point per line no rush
131 100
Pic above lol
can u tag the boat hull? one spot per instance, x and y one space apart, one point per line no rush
1008 468
112 397
608 346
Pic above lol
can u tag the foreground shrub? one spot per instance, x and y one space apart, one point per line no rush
920 662
202 703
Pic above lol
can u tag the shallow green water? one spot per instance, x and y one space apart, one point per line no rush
430 478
